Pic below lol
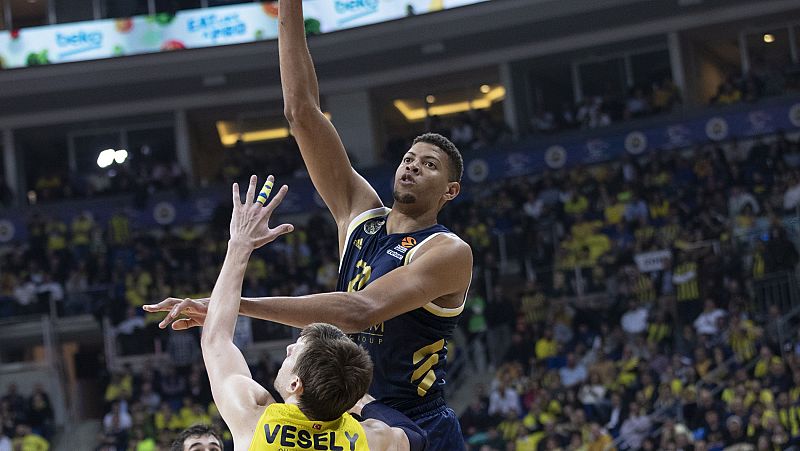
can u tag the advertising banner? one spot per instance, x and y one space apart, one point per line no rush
234 24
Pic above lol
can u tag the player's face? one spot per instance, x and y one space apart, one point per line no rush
283 379
422 175
202 443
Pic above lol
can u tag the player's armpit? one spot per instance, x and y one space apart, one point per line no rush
381 437
445 268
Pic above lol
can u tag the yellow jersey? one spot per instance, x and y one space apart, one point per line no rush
284 427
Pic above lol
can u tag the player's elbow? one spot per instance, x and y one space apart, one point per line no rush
360 315
298 111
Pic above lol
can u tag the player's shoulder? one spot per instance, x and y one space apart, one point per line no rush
450 244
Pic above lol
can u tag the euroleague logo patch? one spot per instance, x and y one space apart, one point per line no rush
408 242
372 227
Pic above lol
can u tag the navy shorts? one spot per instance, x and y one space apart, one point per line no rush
442 427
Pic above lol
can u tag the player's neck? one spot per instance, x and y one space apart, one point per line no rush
402 220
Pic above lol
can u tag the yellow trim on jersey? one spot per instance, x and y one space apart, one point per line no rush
442 311
357 221
431 307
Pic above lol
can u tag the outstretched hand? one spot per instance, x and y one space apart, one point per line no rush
250 219
194 310
249 228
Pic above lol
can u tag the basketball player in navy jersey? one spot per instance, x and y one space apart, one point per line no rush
403 277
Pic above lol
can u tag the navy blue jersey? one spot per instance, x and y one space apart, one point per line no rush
409 351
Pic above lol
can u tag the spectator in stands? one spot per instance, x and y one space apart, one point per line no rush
727 93
707 322
198 438
462 133
791 198
739 199
665 96
504 401
543 122
5 442
40 414
635 428
634 321
117 422
637 104
128 331
573 373
27 440
149 398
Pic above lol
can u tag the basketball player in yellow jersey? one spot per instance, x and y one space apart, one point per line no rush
323 375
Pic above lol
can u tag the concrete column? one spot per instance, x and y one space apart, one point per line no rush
352 115
510 102
10 169
676 61
183 149
577 88
744 54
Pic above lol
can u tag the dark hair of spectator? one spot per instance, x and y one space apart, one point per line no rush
197 430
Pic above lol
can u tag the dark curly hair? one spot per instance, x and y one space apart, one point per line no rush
446 146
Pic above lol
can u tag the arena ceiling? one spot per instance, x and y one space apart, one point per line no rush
467 38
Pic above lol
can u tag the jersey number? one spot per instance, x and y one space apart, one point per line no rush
363 273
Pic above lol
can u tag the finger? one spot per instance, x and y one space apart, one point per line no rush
283 229
162 306
184 323
251 190
274 234
164 323
273 204
177 309
237 198
265 191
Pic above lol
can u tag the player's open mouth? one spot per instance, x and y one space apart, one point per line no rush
407 180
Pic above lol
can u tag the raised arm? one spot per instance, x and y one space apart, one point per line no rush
443 269
240 399
344 191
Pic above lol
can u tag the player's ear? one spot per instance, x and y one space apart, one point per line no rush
453 188
296 386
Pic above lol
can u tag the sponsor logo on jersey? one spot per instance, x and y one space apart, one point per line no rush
408 242
395 254
358 243
372 227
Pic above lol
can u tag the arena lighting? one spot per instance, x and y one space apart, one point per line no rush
417 114
109 156
485 89
769 38
106 158
229 134
120 156
430 99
